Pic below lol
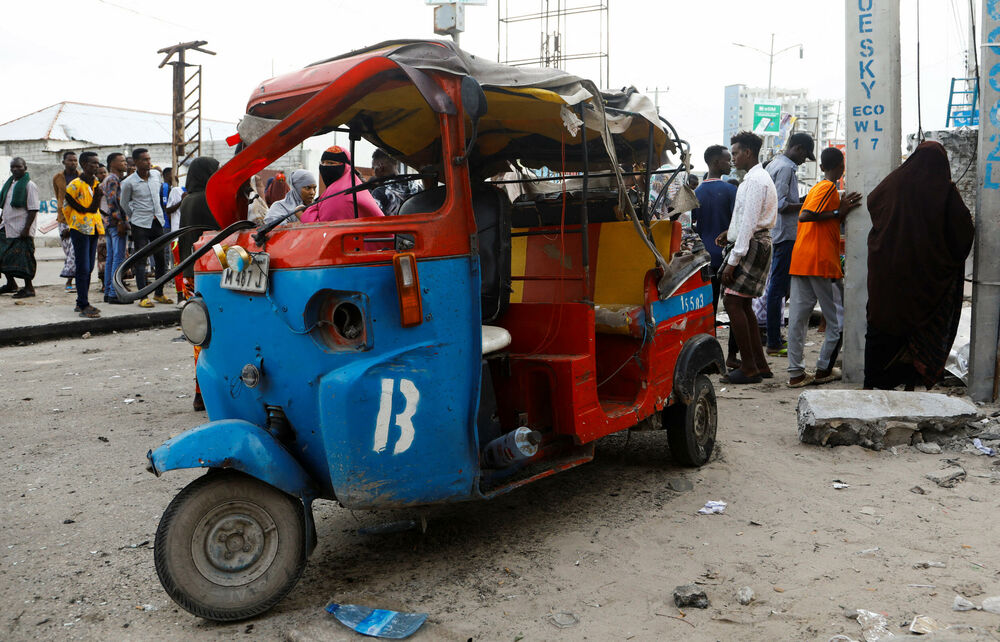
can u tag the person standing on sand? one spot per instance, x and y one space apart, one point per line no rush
815 270
747 256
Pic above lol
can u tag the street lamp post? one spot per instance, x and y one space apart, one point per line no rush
770 55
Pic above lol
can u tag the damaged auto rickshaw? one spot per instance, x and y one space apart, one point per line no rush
468 346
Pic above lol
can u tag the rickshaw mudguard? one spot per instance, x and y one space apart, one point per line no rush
238 445
701 353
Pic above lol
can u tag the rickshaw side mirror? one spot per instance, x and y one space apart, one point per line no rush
473 98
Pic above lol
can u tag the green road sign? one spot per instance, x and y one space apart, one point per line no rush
766 118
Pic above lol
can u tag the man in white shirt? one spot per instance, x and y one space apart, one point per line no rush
748 256
140 203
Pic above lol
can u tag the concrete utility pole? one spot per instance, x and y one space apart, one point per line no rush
873 149
187 104
986 257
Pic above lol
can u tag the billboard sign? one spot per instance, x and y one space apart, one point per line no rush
766 118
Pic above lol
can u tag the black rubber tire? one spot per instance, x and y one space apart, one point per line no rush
691 428
223 498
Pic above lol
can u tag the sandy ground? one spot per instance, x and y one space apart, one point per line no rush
607 542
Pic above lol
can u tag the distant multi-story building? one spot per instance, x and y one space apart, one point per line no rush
820 117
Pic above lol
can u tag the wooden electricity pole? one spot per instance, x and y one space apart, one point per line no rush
186 125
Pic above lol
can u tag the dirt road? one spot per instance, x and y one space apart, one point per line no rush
608 541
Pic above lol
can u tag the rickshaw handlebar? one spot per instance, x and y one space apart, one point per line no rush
127 296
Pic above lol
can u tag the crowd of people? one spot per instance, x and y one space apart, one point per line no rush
106 211
767 248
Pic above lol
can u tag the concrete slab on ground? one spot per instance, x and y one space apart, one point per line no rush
877 418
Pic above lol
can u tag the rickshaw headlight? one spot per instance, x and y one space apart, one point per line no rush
194 322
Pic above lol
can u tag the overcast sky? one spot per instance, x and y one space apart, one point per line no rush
104 51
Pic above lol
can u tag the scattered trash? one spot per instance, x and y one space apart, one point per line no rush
515 446
992 604
839 485
948 477
873 626
841 638
810 344
147 607
962 604
679 484
778 589
712 507
103 438
69 521
868 510
918 490
923 624
926 586
377 623
928 448
130 400
564 619
986 450
745 595
868 552
929 565
690 595
86 335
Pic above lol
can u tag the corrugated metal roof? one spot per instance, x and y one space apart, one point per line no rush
101 125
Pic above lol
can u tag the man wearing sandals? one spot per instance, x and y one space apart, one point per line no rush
19 200
747 256
83 198
140 203
815 269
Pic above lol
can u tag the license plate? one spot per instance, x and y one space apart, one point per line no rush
253 279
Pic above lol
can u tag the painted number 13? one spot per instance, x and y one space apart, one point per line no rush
403 420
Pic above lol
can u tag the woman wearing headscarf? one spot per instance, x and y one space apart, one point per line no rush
277 189
335 168
302 192
921 234
194 211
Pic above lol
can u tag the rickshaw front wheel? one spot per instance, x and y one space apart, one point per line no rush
691 427
229 546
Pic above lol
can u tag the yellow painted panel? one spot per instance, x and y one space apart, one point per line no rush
518 264
623 260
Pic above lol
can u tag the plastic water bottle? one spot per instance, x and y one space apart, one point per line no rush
514 446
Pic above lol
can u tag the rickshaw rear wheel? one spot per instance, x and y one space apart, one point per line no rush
229 546
691 427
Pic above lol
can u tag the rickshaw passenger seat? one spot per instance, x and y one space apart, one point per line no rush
491 207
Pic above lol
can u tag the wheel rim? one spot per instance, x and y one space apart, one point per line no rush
703 426
234 543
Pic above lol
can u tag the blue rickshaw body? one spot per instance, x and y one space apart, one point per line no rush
390 424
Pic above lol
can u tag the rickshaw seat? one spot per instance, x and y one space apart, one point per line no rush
494 338
612 318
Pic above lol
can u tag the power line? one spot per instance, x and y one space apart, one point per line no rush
144 15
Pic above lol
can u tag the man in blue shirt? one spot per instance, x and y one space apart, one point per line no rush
716 199
782 170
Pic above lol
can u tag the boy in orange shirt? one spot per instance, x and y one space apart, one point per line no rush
815 270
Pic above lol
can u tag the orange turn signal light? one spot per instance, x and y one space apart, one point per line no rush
411 310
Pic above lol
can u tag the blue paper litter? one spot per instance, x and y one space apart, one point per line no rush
377 623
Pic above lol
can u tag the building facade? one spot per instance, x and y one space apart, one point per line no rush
819 117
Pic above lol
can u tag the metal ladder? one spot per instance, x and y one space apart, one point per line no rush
963 114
